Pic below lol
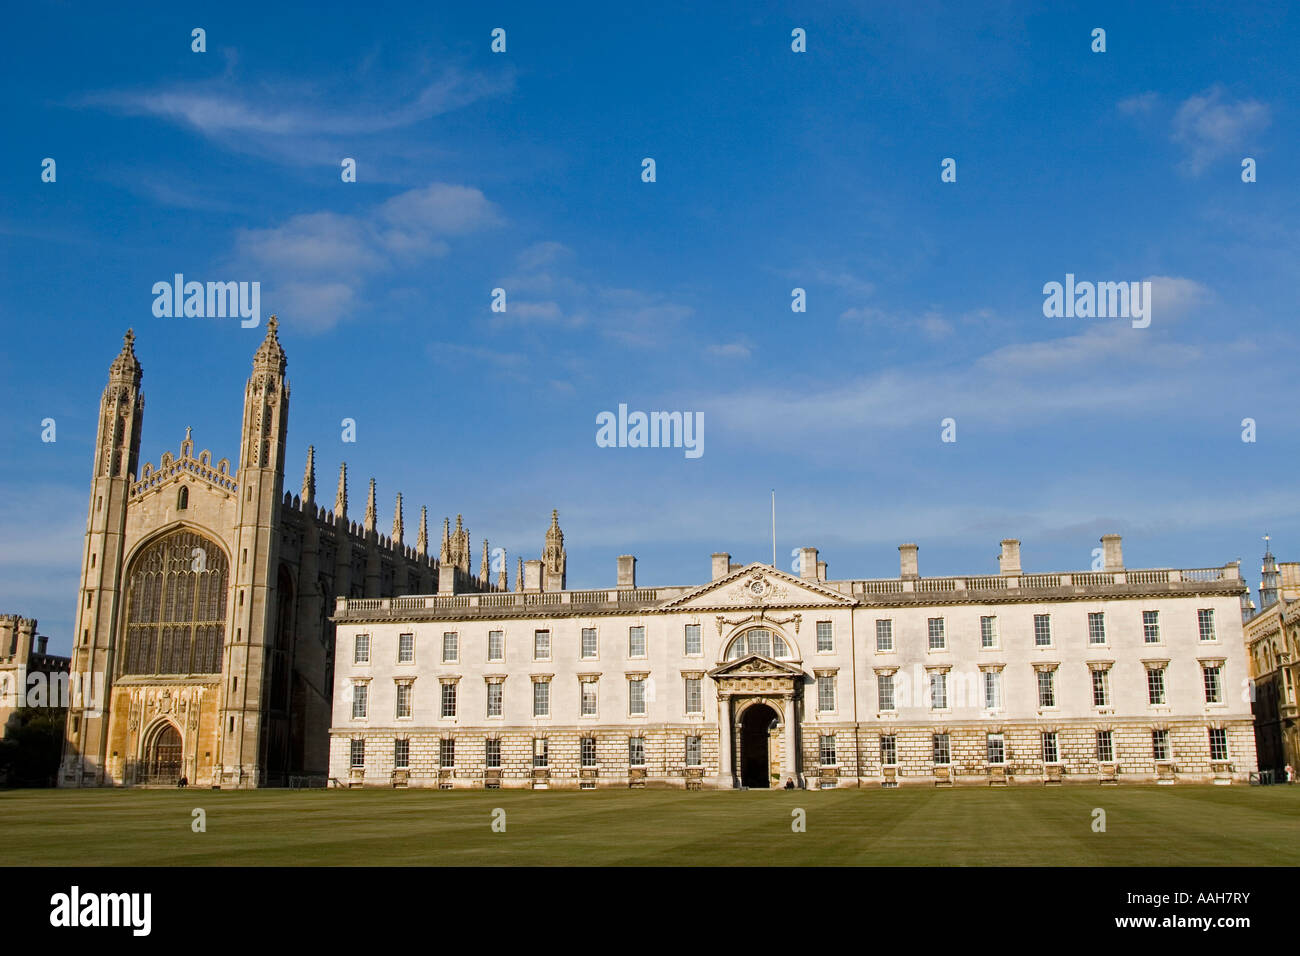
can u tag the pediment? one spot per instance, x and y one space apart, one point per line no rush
755 665
757 586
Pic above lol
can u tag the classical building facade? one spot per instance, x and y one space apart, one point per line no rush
1272 638
758 678
205 594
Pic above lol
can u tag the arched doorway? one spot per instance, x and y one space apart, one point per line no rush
164 760
755 735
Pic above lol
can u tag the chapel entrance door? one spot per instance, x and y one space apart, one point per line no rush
165 756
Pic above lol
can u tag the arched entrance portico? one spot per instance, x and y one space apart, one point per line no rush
757 726
758 717
164 756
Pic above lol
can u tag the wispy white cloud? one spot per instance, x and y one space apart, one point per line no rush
1011 385
315 264
731 350
932 323
289 121
1209 126
541 293
1139 104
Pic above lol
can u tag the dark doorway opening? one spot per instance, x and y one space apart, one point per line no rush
755 759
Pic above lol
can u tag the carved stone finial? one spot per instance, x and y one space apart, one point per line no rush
341 497
126 367
270 354
554 560
422 540
372 512
397 520
309 476
458 549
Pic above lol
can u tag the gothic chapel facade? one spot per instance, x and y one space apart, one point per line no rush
203 624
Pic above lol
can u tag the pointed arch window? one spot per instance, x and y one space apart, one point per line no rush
183 498
176 607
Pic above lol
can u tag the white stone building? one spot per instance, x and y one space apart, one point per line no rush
760 677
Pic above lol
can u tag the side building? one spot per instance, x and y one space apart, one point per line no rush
759 677
1272 638
23 654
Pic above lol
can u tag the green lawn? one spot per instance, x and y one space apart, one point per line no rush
1145 826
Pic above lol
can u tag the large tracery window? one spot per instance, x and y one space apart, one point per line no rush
176 607
761 641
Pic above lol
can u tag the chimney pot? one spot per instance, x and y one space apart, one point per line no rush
1112 553
533 575
447 578
808 564
907 563
626 572
1009 561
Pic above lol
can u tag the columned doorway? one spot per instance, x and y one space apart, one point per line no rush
758 718
756 728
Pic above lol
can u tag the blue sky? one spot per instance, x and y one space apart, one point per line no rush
775 170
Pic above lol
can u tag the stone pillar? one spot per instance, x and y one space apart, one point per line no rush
726 775
790 765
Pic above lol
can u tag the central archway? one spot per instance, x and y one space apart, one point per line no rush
164 765
755 746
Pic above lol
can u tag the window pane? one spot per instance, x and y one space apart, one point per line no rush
694 644
988 632
884 636
825 636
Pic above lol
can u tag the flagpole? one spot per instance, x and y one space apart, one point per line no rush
773 527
